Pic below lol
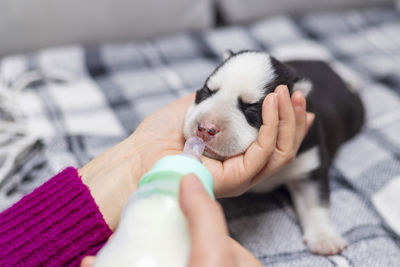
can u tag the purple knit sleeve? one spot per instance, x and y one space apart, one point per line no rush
55 225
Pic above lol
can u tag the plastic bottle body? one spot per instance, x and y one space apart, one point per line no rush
152 232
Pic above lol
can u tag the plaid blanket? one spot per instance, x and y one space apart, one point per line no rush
78 101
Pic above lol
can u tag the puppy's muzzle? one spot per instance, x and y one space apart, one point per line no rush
207 131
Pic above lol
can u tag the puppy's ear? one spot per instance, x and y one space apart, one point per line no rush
227 54
285 74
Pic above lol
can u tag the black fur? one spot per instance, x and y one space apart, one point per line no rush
251 112
203 93
284 74
339 114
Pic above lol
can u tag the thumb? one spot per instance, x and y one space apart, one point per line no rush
206 222
88 261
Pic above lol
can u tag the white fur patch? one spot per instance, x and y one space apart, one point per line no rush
242 76
234 137
299 169
314 218
304 85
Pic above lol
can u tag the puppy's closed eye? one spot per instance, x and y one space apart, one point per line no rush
252 112
203 93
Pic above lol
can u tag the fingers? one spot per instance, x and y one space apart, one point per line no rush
184 101
234 175
304 119
88 261
299 106
206 222
287 121
210 244
257 155
201 211
294 122
243 257
310 119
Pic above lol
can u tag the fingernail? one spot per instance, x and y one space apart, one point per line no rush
310 119
283 89
301 98
275 99
302 104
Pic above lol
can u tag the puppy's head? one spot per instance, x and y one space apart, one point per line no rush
226 113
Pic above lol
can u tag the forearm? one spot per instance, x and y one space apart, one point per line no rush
57 224
112 177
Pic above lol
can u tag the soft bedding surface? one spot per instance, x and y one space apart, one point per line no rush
77 101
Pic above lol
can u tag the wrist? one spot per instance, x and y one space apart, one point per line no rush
111 178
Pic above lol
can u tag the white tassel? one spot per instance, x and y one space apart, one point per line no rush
15 137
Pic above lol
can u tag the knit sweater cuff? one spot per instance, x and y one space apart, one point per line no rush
57 224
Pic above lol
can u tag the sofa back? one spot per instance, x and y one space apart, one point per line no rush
235 11
33 24
28 25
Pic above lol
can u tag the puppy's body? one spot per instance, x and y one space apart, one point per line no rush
227 115
339 116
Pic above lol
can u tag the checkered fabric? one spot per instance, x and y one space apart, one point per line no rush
83 100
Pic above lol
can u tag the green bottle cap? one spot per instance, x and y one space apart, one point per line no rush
173 168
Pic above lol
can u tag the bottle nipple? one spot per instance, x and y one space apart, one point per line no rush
194 147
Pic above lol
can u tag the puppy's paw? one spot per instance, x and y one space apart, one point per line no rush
325 242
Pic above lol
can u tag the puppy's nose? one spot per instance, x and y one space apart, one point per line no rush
206 130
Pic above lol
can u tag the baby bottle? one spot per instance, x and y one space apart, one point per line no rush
152 231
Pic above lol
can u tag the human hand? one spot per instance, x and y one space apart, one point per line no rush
210 245
285 124
113 176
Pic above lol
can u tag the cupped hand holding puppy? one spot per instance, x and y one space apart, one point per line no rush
113 176
210 243
285 124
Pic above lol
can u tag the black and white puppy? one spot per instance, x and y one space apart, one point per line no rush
226 114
